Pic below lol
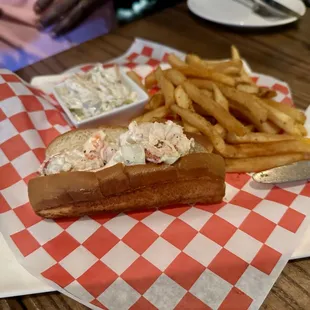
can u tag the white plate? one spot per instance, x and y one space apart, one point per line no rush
238 13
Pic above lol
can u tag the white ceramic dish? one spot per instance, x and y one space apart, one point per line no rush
238 13
118 116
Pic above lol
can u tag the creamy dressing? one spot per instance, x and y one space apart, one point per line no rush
94 92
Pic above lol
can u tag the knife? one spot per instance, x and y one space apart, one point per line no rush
277 7
294 172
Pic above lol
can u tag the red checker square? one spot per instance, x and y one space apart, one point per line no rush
104 217
31 103
36 91
228 266
280 88
130 65
4 206
139 215
40 154
246 200
254 79
147 51
10 78
266 259
25 242
21 121
281 196
97 303
61 246
236 300
179 234
64 223
108 66
101 242
58 275
14 147
306 190
97 278
27 216
48 135
153 62
257 226
55 117
237 180
288 101
184 270
11 176
189 301
2 115
153 91
291 220
211 208
165 57
140 237
6 92
142 304
141 275
218 230
175 210
87 68
29 177
132 56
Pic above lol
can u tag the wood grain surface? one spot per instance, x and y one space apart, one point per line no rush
281 52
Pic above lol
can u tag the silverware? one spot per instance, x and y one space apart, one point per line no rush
295 172
277 7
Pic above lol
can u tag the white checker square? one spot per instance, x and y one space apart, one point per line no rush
301 204
33 139
78 261
39 120
233 214
45 231
40 259
12 106
1 78
271 210
119 296
202 249
83 228
161 253
120 225
282 240
7 130
20 89
45 103
16 195
165 293
3 159
293 187
195 217
243 246
76 289
158 221
230 193
10 223
211 289
141 59
257 189
62 129
26 164
120 257
143 70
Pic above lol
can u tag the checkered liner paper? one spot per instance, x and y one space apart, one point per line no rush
223 256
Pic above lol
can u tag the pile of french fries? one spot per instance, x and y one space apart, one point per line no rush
218 99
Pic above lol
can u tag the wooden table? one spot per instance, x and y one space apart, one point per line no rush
281 52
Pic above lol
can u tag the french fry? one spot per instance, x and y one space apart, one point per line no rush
192 60
160 112
175 76
155 101
223 66
265 92
181 97
189 128
175 62
220 98
214 109
256 164
135 77
202 125
297 115
220 130
235 55
256 137
302 129
248 88
202 84
166 86
231 71
150 80
206 93
250 127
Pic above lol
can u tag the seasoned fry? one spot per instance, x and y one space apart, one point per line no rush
150 80
302 129
155 101
220 130
248 88
166 87
257 164
231 71
214 109
297 115
175 62
250 127
175 76
202 125
220 98
189 128
265 92
160 112
256 137
206 93
235 55
203 84
181 97
135 77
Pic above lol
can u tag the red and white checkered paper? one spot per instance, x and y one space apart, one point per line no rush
224 256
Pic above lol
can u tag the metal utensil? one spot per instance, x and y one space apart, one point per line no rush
277 7
295 172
